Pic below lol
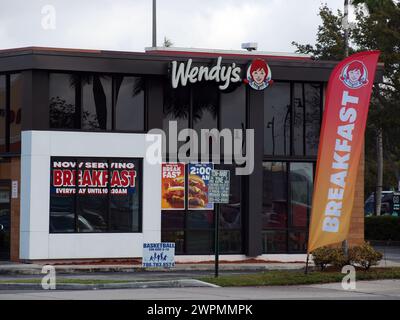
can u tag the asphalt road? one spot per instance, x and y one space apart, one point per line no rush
379 290
389 253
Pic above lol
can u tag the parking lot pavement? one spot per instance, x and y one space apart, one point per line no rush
390 253
381 290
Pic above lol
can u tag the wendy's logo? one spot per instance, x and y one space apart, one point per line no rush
258 75
354 75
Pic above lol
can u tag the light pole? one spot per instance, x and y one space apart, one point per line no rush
345 23
346 27
154 36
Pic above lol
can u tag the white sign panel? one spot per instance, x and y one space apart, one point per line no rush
158 255
14 189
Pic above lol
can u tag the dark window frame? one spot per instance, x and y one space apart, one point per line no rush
139 180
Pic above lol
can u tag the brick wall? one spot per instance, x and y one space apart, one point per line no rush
11 171
356 233
15 211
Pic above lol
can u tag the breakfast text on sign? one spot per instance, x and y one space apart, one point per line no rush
341 158
93 177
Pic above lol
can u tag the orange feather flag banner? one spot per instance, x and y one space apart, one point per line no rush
340 146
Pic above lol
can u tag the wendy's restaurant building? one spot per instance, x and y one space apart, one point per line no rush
82 175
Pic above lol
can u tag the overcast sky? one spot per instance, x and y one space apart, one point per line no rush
126 24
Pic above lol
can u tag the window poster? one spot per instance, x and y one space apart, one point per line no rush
93 177
198 179
173 186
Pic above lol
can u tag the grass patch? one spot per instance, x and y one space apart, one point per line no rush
283 278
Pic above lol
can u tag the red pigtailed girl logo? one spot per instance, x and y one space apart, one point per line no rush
258 75
354 75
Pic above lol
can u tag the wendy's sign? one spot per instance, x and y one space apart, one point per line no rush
258 74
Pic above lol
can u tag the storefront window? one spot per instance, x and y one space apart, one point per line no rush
200 242
301 186
298 241
15 112
95 195
196 227
200 219
274 241
277 105
233 111
292 117
85 101
96 102
172 220
3 106
129 105
176 236
274 195
205 106
307 117
286 205
62 95
176 108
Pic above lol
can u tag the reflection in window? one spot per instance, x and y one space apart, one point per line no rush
172 219
301 186
96 102
230 213
176 108
176 236
200 241
298 241
129 107
2 113
205 106
92 213
285 221
274 241
233 111
15 112
306 119
230 241
274 195
277 119
99 196
62 88
62 213
125 208
92 210
199 219
197 226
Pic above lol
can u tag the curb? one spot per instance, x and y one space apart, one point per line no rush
185 283
105 269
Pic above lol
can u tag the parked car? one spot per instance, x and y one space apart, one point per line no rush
387 204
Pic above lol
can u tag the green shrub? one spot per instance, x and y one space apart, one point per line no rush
322 257
382 228
364 256
337 258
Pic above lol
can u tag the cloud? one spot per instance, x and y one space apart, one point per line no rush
126 24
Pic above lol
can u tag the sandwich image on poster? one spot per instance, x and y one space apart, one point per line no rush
173 186
198 179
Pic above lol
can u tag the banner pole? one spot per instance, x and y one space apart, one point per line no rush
216 239
306 271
